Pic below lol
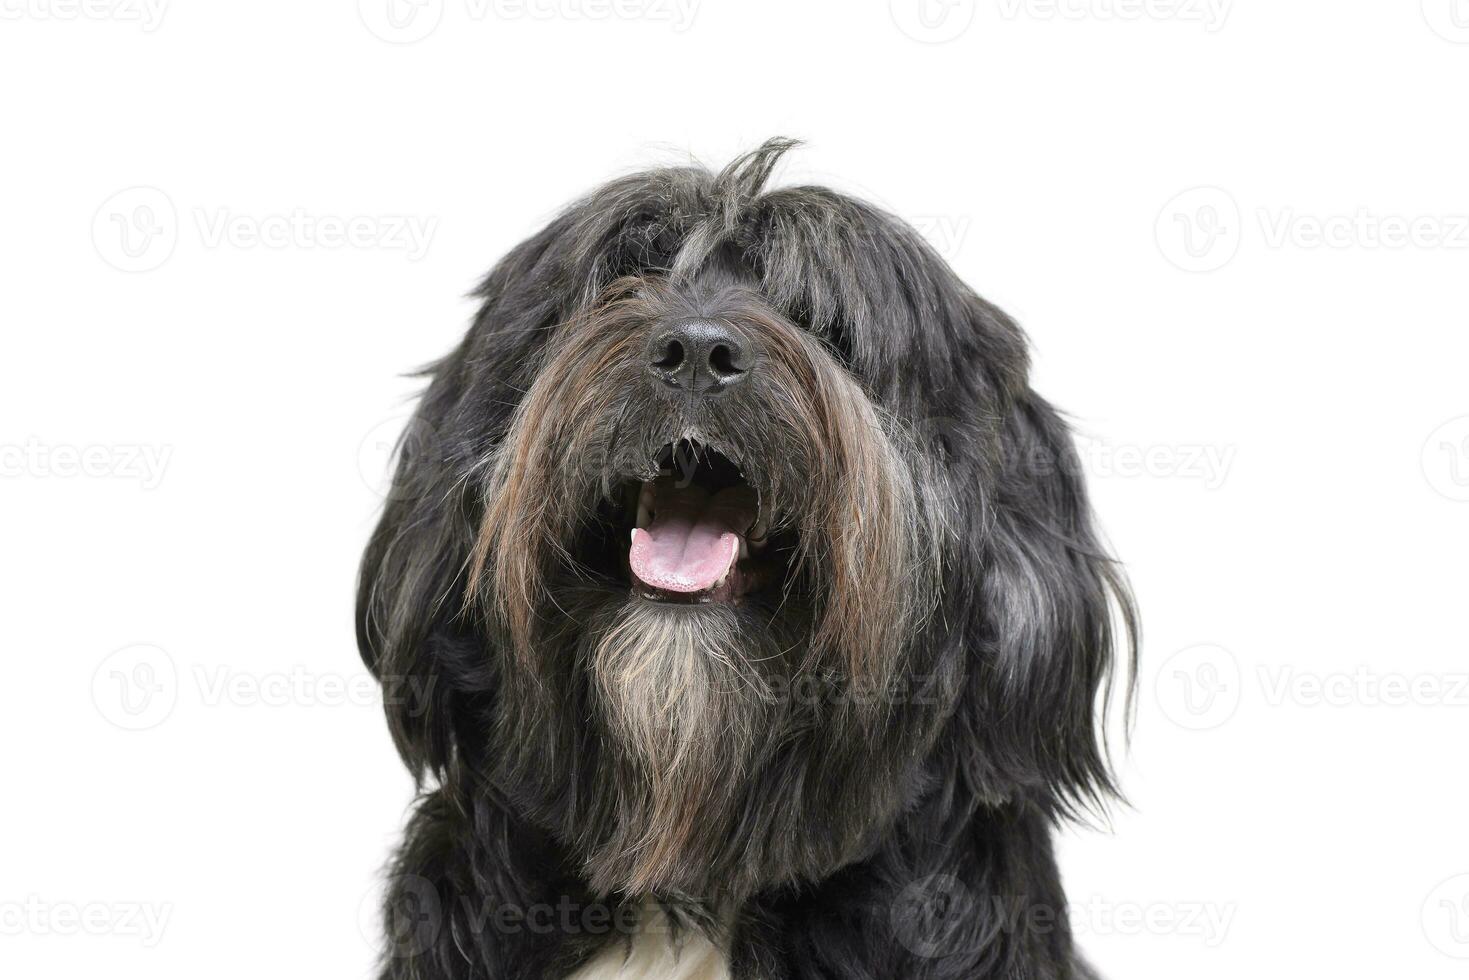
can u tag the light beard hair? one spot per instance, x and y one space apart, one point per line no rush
690 698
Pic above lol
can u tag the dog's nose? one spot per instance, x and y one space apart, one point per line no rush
699 356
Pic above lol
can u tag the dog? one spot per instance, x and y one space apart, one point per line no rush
764 627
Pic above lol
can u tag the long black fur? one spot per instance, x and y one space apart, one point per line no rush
907 839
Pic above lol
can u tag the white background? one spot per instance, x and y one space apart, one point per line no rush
195 422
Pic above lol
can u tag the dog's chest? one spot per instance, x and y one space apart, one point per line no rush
654 957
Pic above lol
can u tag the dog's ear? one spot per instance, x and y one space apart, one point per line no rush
1056 616
413 631
410 587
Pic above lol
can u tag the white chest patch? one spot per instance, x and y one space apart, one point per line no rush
654 957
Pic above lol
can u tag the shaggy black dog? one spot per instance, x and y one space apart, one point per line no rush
764 624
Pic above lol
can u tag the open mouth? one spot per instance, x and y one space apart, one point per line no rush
698 534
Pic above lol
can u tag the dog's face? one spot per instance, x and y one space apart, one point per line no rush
689 466
730 530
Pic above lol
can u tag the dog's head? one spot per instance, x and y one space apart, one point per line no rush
730 530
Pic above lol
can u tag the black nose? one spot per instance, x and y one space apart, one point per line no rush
700 356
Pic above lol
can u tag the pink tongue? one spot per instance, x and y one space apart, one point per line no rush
693 539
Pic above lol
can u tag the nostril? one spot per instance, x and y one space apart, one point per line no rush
671 355
723 361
